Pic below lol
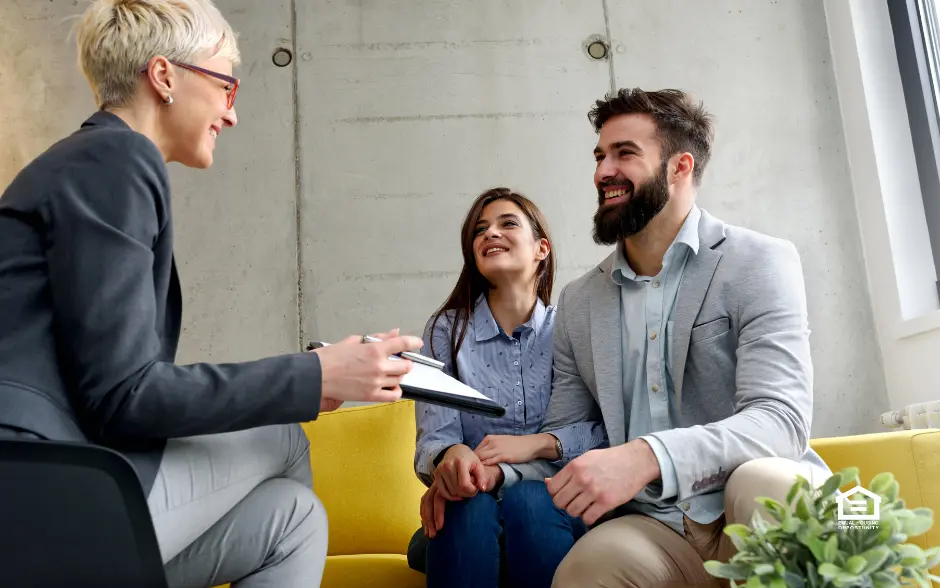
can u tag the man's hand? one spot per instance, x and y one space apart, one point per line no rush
353 370
603 479
329 405
460 473
495 449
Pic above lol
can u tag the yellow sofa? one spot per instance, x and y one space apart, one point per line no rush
362 467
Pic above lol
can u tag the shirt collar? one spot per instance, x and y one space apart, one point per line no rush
103 118
688 236
485 326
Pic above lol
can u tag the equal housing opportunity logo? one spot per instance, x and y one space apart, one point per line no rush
859 508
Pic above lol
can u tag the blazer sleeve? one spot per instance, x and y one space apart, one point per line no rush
102 225
773 402
571 407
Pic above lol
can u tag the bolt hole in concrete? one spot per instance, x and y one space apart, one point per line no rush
597 47
282 57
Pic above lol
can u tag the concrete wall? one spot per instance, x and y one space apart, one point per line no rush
406 111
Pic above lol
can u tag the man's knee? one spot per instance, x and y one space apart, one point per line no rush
615 553
770 477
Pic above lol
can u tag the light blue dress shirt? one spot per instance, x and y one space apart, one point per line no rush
646 309
513 370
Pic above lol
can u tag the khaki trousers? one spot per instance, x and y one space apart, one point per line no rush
637 551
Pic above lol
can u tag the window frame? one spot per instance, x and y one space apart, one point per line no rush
916 28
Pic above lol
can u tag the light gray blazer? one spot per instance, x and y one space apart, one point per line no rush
739 347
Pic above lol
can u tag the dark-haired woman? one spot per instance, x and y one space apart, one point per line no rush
494 333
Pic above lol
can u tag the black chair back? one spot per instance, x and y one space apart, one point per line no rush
73 515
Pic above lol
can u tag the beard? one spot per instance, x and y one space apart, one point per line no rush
613 224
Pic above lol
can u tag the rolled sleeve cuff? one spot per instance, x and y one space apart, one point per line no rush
670 480
572 444
510 477
428 454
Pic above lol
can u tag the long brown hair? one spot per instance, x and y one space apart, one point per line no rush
471 283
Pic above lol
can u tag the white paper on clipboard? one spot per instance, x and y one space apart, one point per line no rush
429 378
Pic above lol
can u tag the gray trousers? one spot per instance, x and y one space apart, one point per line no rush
239 508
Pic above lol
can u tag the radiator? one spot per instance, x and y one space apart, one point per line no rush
923 415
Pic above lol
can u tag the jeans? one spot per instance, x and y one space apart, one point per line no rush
484 543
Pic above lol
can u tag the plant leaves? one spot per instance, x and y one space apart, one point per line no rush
831 551
831 485
891 494
849 475
829 571
880 483
790 525
728 571
932 556
885 579
876 557
846 579
911 555
803 510
794 580
763 569
856 564
794 490
917 525
754 582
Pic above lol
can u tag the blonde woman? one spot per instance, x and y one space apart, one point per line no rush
90 307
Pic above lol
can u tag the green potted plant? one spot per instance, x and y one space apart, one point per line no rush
813 544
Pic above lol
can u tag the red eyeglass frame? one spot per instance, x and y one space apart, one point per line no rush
231 80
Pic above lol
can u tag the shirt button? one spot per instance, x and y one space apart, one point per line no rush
654 388
515 363
518 382
518 403
515 342
653 335
685 506
656 283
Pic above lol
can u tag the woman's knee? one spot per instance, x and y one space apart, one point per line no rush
527 502
477 517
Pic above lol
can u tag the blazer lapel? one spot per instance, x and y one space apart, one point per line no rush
696 278
607 351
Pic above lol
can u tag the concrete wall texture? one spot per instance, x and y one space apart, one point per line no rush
392 117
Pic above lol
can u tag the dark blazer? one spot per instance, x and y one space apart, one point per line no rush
90 310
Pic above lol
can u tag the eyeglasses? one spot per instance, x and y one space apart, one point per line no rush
233 82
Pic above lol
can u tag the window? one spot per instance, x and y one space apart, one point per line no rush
916 26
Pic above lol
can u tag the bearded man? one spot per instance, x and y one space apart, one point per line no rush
690 342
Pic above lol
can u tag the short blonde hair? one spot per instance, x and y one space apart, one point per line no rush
117 38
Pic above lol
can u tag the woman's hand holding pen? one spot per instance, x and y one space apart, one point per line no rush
353 371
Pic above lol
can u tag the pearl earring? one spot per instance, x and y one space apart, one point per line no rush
168 100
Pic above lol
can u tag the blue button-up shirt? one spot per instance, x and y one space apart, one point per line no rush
513 370
646 309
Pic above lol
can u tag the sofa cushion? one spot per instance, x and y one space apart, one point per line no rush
370 571
362 471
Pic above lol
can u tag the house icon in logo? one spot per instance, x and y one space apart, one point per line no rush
857 509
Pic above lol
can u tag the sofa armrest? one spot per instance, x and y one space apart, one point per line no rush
913 456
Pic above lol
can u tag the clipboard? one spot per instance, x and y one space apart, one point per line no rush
426 382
